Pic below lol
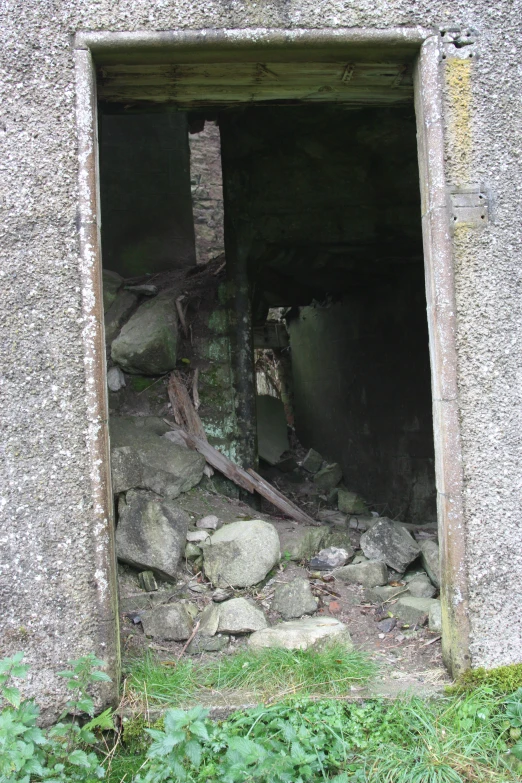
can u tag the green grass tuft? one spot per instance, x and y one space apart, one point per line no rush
268 675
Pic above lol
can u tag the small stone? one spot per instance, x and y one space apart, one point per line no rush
312 462
222 594
302 634
209 620
332 557
421 587
147 581
170 621
210 522
192 552
142 601
115 379
389 541
239 616
369 574
142 290
334 607
387 625
430 560
382 594
294 599
197 536
328 478
201 644
435 617
350 502
413 611
192 609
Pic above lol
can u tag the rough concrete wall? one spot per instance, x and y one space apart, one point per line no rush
362 393
49 585
147 223
206 180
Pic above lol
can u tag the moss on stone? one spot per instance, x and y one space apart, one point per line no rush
141 382
503 679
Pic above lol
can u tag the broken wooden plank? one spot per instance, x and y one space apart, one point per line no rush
248 480
218 460
185 414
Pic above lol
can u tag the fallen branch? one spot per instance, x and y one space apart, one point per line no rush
181 315
185 413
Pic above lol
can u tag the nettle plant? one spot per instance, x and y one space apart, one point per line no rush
62 753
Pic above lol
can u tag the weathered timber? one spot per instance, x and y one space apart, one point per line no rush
248 480
185 413
230 83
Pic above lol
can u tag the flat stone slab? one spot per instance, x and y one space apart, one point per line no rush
369 574
430 560
302 634
272 429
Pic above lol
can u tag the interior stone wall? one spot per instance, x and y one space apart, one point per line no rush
50 584
207 192
362 392
147 221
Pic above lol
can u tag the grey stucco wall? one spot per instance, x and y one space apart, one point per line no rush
53 595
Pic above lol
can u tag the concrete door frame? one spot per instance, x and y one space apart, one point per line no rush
439 273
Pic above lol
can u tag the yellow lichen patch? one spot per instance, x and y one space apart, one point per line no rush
457 74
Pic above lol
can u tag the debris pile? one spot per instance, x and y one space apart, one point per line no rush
209 581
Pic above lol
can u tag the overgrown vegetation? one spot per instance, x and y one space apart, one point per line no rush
64 752
448 740
472 737
502 680
267 675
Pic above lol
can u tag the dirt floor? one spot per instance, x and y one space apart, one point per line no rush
409 659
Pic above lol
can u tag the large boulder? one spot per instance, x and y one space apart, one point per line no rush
151 533
389 541
166 468
430 560
241 554
147 344
294 599
302 634
170 621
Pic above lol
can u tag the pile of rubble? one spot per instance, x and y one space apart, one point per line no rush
210 580
205 581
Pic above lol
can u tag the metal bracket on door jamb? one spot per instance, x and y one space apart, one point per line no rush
469 206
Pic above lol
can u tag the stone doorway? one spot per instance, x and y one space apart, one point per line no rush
240 252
